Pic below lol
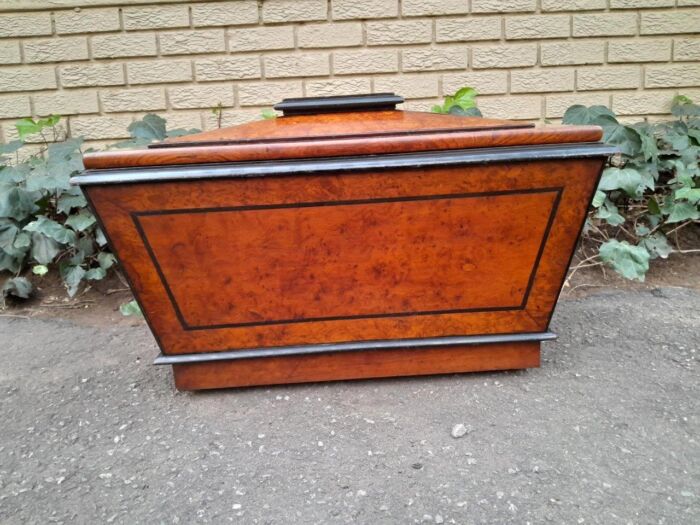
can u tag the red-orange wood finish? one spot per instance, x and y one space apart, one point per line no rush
381 254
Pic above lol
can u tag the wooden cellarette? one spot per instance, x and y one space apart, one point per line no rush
347 239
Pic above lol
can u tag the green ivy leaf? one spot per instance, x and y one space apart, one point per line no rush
14 174
631 181
52 229
8 234
610 214
81 221
632 262
598 199
100 238
469 112
95 274
40 269
105 260
18 287
130 308
268 114
67 149
44 249
624 137
657 245
653 206
72 275
73 198
9 262
682 211
150 128
581 115
181 132
17 203
690 194
10 147
683 107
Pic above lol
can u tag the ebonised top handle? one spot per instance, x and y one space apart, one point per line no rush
337 104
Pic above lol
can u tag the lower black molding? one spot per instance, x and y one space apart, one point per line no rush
408 344
344 164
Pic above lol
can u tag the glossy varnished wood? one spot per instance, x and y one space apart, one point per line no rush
159 254
382 253
342 134
356 365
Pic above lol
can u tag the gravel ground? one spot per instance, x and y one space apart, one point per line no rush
605 432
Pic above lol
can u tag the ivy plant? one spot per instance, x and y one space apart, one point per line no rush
463 102
45 223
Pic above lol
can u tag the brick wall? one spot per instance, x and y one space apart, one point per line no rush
102 66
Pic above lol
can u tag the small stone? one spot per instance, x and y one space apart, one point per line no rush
438 518
417 466
460 430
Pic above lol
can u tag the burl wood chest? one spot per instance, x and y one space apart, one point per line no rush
347 239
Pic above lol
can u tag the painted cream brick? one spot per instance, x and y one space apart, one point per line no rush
399 32
9 52
485 82
14 106
124 45
644 103
87 20
542 80
346 9
409 86
685 75
573 5
538 26
686 49
191 119
227 68
56 49
375 61
25 24
465 29
107 74
605 24
599 78
156 17
158 71
200 96
190 42
420 105
504 56
670 22
101 127
517 107
431 59
268 93
434 7
503 6
139 99
66 102
341 34
341 86
556 105
230 117
225 13
686 3
297 65
572 53
261 38
294 10
636 4
27 78
639 50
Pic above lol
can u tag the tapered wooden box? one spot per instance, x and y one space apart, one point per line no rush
347 240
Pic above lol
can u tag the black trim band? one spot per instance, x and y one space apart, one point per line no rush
344 164
408 344
337 104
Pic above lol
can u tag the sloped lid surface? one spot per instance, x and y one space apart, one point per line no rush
341 126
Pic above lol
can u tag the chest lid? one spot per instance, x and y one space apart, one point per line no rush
341 126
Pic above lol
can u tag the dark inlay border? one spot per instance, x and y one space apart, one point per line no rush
135 216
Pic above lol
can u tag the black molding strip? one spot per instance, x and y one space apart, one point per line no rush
420 160
408 344
338 104
136 216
